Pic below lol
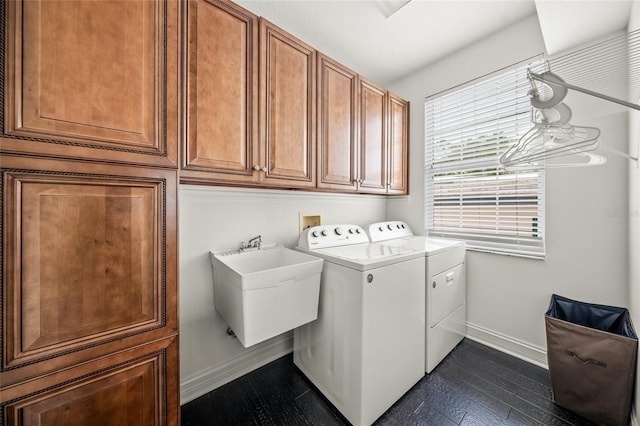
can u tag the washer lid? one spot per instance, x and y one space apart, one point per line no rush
366 252
427 245
363 257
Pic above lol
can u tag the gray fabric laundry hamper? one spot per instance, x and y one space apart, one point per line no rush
591 351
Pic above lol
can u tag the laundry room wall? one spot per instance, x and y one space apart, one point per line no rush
634 215
586 226
214 218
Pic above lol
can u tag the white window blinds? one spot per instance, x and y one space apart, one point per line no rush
468 194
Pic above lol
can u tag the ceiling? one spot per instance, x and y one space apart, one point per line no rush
386 40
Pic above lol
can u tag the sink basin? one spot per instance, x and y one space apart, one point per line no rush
265 292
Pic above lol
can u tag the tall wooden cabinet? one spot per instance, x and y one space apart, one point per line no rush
88 298
91 80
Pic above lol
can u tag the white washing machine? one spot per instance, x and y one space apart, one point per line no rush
445 282
366 349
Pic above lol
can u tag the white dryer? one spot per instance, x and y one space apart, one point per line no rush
366 349
445 282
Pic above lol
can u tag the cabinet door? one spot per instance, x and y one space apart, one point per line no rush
89 259
337 146
221 57
398 160
133 388
373 135
92 80
287 94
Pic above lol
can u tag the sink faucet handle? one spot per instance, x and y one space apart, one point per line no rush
255 241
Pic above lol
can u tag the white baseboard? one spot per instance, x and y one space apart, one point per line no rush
525 351
224 372
251 359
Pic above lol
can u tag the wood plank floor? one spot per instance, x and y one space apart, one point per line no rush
474 385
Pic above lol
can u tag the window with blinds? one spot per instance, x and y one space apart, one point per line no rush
468 194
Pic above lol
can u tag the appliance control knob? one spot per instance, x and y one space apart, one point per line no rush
403 226
338 231
315 234
358 231
324 232
380 228
398 226
351 230
390 227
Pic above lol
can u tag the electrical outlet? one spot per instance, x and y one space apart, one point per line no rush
308 220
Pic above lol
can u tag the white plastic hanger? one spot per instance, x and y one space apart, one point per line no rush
552 136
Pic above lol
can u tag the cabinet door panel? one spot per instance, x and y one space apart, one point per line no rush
337 97
221 104
92 79
288 105
398 145
373 146
134 388
86 261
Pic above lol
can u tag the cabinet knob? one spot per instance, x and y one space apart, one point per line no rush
360 181
264 169
256 167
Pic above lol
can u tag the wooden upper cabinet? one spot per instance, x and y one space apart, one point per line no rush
92 80
373 138
287 104
221 99
398 141
337 124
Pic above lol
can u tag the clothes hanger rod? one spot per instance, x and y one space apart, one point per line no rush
620 153
587 91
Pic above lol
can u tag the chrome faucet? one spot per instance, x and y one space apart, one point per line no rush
253 243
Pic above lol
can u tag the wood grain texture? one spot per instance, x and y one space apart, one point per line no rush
337 125
398 141
136 387
89 262
90 79
221 103
287 94
373 138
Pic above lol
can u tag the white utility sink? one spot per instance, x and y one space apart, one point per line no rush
264 292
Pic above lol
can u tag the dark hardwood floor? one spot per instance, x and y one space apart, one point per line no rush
474 385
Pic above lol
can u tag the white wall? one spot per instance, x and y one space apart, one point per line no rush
218 218
587 231
634 217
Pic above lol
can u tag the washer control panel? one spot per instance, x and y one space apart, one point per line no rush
381 231
332 236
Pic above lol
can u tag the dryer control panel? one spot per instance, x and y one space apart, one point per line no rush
331 236
382 231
